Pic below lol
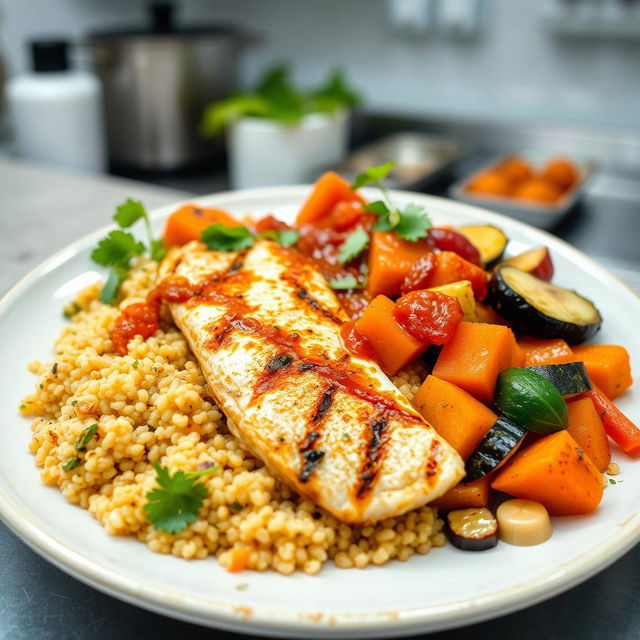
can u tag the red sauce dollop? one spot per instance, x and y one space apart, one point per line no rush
429 316
143 318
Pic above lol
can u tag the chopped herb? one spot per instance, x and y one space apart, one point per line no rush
71 309
411 223
41 385
356 242
85 437
54 369
71 463
134 364
22 407
236 506
220 238
342 284
177 500
285 237
74 403
119 247
612 481
346 436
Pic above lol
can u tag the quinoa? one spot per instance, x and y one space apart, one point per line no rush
153 404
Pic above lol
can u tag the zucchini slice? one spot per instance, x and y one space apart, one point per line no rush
500 442
487 239
472 529
541 309
531 401
568 378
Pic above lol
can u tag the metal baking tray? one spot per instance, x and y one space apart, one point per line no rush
544 216
420 159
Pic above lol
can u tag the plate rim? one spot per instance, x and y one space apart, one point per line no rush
283 622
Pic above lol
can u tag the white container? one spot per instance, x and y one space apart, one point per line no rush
265 153
56 114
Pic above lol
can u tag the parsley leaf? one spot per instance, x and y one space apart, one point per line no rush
85 437
109 291
220 238
343 284
285 237
177 500
117 249
413 223
373 175
355 243
129 212
71 463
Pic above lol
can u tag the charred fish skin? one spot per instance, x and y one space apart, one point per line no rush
265 328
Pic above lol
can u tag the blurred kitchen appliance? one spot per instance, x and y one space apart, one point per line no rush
156 84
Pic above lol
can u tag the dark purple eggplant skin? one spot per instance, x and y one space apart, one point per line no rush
463 543
497 444
525 319
568 378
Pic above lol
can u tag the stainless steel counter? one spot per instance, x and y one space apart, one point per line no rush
41 211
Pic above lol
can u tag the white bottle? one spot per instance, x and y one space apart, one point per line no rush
56 113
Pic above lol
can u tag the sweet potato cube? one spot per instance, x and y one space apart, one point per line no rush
457 416
608 367
539 352
474 357
465 495
587 430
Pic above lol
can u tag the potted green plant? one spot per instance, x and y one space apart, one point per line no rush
279 134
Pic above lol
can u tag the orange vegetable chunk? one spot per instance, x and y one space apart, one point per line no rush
538 352
189 221
465 494
238 559
394 346
451 268
390 259
457 416
608 367
328 191
474 357
555 472
587 430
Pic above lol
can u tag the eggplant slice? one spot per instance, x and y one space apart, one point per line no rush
541 309
568 378
487 239
472 529
501 441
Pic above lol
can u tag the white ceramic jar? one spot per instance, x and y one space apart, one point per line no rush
265 152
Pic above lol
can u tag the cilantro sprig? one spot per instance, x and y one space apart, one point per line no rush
178 499
345 283
355 243
218 237
119 247
409 223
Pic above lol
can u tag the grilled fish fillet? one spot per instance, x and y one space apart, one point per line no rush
265 327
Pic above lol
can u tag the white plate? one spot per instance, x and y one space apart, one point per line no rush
445 589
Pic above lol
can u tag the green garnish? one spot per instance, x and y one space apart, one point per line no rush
285 237
612 481
119 247
71 463
85 437
134 364
410 223
346 436
343 284
178 499
74 403
275 98
217 237
236 506
22 407
356 242
70 310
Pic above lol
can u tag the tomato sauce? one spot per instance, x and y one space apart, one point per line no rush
356 343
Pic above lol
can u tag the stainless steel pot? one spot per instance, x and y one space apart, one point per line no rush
156 84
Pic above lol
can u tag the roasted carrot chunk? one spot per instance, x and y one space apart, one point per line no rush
618 427
474 357
390 259
238 559
608 366
556 472
451 268
457 416
537 352
394 347
328 191
188 222
586 429
465 494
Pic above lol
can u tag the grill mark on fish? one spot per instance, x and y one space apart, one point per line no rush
434 458
310 455
324 405
374 455
303 294
176 264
